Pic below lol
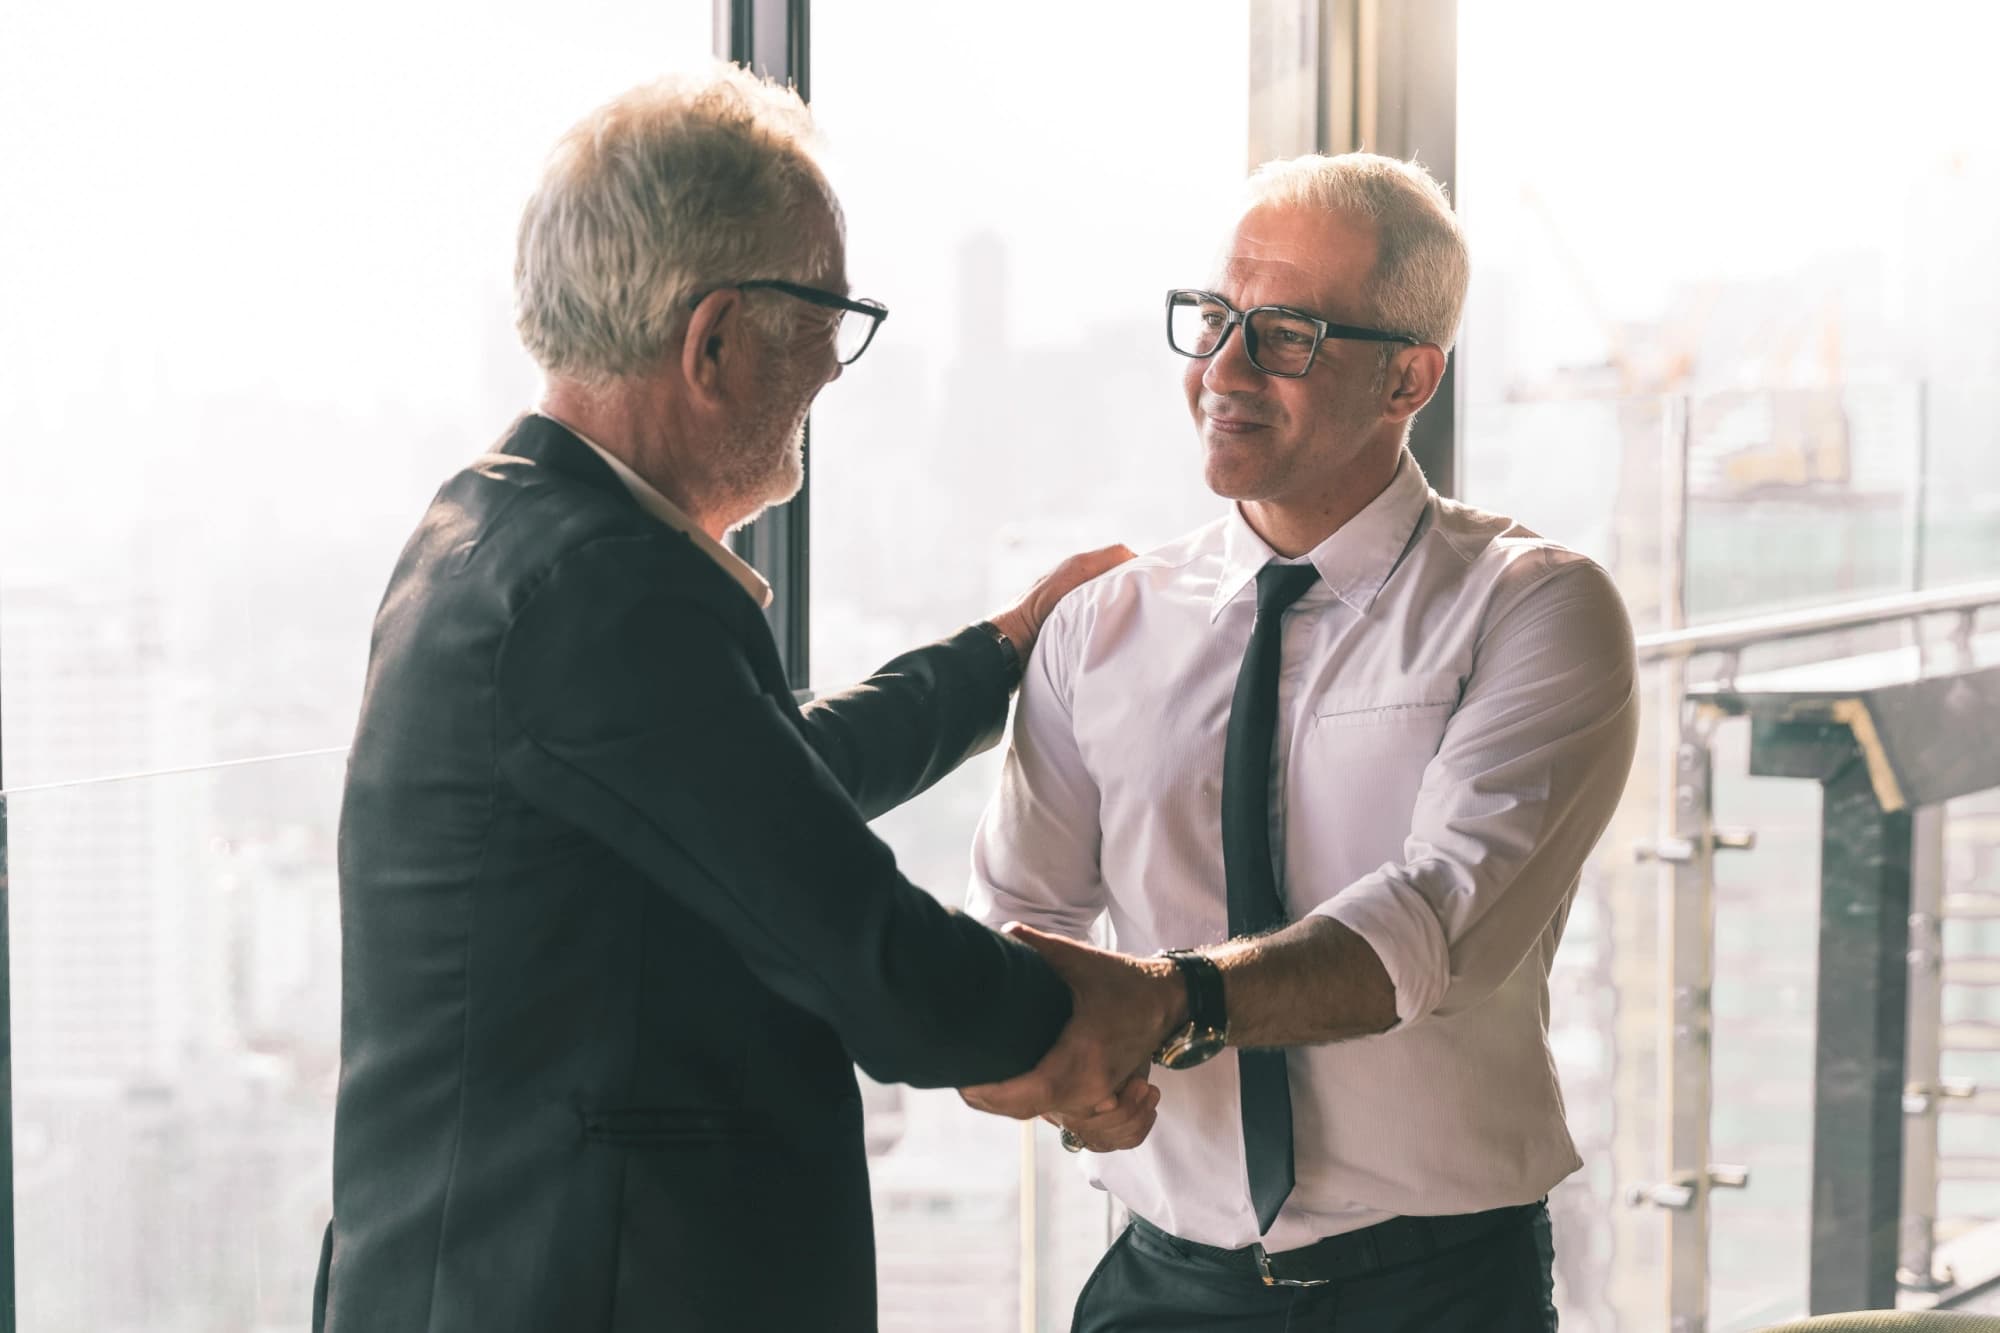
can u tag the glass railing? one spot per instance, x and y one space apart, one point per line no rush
1713 509
174 960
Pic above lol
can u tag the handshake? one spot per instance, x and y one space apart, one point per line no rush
1093 1083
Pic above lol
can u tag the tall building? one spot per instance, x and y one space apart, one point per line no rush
101 929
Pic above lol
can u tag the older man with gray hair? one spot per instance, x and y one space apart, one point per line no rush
1340 755
614 927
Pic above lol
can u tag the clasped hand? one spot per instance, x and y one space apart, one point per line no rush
1086 1083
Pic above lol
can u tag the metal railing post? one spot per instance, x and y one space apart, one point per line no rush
1685 854
1916 1263
1686 858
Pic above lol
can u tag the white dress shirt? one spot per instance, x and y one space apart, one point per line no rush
1456 720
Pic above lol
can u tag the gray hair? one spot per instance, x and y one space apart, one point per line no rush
678 186
1422 267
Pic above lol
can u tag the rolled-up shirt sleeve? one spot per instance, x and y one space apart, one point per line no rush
1529 771
1035 856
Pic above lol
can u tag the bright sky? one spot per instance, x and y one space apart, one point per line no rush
235 192
230 196
1701 139
1074 131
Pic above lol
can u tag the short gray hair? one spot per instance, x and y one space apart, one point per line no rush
1422 267
690 182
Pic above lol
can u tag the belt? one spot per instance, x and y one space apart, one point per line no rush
1352 1254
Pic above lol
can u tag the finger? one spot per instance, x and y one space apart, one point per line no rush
1114 1130
1076 1110
1130 1098
1129 1134
1127 1110
1021 1098
1126 1124
1016 930
1138 1133
1065 1079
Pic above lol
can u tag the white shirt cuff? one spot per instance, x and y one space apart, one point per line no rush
1398 924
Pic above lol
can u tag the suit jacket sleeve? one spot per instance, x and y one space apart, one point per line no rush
629 709
915 720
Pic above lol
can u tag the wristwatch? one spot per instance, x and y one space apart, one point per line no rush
1207 1030
1009 651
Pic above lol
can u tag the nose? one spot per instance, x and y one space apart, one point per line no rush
1230 370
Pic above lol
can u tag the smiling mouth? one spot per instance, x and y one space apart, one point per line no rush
1235 425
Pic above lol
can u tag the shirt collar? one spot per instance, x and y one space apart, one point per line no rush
665 510
1354 562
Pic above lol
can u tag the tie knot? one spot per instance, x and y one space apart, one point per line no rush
1278 586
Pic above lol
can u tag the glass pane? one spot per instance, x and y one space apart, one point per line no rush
1806 341
259 308
1587 473
175 970
1802 496
1022 404
1765 1015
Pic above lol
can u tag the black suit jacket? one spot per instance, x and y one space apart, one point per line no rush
615 930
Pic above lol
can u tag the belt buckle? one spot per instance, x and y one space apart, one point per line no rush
1264 1271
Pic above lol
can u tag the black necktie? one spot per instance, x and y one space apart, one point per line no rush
1254 905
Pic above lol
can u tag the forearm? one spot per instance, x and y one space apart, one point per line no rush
1313 982
892 736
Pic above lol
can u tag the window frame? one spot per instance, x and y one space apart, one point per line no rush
773 37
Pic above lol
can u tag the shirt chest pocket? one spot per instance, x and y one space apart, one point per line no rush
1356 773
1413 700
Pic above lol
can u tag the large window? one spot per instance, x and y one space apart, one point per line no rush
256 306
256 261
1022 199
1743 251
257 269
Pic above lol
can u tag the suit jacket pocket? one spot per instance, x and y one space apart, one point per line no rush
662 1127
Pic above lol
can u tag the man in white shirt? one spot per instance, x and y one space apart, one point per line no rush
1365 817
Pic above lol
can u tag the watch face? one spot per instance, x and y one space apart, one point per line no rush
1190 1046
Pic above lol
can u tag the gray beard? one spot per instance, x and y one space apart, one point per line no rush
762 463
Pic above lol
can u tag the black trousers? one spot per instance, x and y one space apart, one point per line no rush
1500 1281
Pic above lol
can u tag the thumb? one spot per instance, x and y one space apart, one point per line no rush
1039 940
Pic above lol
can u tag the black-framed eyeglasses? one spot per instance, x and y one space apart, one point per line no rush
1279 340
850 336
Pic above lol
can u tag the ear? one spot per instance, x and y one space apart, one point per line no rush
713 343
1413 377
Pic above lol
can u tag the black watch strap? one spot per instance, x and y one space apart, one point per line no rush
1207 1005
1009 651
